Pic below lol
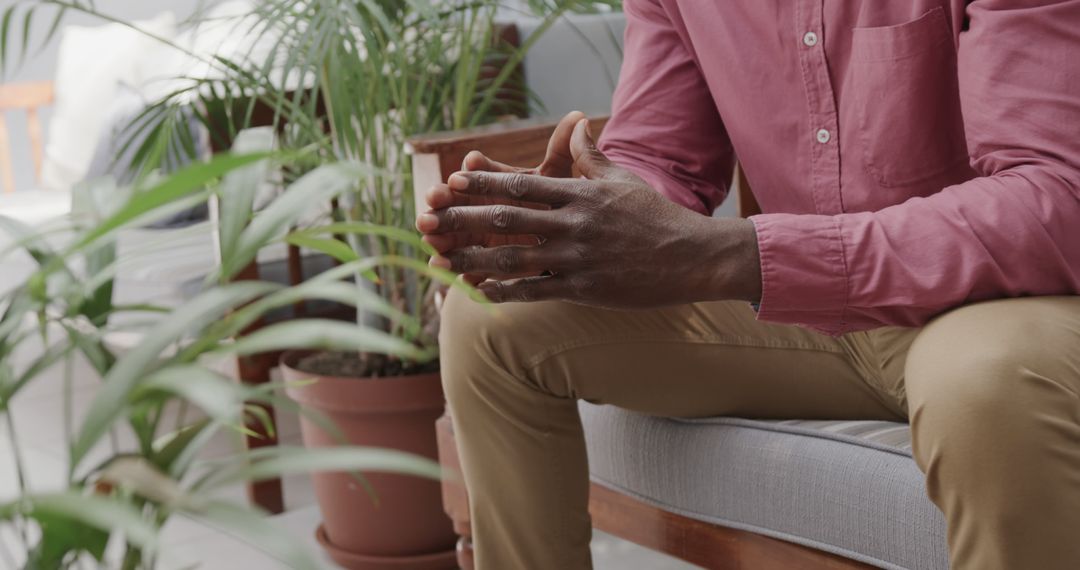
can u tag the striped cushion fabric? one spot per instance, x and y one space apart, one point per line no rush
846 487
866 432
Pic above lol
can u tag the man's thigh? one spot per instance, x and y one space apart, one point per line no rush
1008 349
694 360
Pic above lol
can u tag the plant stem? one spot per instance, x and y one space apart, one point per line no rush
19 474
67 401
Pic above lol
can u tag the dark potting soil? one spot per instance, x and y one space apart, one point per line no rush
361 365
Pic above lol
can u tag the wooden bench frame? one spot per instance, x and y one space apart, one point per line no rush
523 143
29 98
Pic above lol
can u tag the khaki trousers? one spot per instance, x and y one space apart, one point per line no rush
991 391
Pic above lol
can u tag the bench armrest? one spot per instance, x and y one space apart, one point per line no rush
519 142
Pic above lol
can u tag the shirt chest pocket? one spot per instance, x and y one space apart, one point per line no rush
906 101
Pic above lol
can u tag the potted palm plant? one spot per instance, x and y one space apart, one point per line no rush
130 470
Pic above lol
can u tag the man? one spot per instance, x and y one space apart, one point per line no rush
918 163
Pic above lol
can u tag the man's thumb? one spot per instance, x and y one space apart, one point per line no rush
587 158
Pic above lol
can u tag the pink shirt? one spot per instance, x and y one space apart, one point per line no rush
909 155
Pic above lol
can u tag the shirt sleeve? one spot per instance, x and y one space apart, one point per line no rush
1012 231
664 125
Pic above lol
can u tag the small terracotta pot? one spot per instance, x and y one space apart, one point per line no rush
406 527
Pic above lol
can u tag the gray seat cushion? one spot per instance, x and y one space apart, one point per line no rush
845 487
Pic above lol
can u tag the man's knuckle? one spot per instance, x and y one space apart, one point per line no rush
583 188
494 291
507 260
510 292
583 227
501 217
465 260
516 185
453 219
481 183
459 262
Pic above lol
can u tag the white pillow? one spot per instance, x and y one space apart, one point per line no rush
226 31
93 61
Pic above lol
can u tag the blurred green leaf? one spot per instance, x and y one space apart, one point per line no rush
41 363
174 452
95 200
111 400
62 535
325 334
261 414
178 185
25 237
409 236
143 478
103 513
316 187
280 461
339 250
243 523
239 187
5 30
221 398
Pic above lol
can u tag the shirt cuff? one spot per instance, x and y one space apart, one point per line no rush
804 277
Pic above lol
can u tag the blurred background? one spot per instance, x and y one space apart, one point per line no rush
574 65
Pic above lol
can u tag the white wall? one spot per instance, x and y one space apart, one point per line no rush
575 65
43 65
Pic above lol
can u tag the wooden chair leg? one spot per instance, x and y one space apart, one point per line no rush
455 499
256 370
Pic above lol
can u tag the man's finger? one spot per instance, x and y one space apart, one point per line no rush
497 219
498 262
558 161
587 158
525 289
447 242
440 196
515 186
478 161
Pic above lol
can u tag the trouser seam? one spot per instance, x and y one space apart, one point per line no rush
726 340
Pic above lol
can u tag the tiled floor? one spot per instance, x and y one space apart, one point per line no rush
214 551
38 413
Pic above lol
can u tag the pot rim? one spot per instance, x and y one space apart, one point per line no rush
290 357
370 395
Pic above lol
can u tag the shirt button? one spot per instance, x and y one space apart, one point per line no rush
810 39
823 136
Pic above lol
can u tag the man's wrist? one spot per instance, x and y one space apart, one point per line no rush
734 260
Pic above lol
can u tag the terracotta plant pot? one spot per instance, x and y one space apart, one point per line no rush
406 527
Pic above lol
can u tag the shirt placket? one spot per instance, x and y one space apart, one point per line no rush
822 131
